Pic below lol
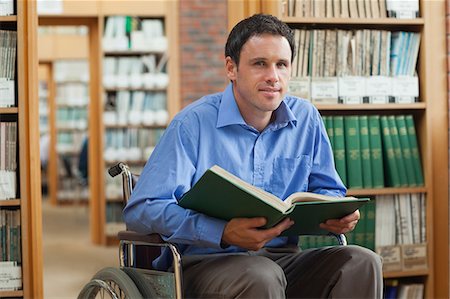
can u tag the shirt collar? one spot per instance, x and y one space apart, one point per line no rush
229 113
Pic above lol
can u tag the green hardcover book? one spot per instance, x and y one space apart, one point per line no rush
339 148
391 171
366 162
376 154
360 229
328 122
312 243
415 156
353 152
222 195
304 242
406 150
370 225
319 241
398 151
350 236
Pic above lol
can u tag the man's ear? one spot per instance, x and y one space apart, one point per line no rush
231 68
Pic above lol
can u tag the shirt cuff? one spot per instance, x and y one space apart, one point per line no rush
212 231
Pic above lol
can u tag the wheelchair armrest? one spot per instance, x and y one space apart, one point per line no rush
133 236
145 248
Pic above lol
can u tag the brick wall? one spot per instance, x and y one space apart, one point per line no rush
203 33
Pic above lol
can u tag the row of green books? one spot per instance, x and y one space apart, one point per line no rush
10 235
373 151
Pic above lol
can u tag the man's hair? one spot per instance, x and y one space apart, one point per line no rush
256 25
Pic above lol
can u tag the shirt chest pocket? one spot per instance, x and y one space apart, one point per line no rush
289 175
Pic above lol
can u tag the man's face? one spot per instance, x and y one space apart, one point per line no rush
261 79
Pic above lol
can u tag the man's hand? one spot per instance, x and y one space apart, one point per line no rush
343 225
245 232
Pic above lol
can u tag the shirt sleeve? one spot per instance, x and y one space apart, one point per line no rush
324 178
153 206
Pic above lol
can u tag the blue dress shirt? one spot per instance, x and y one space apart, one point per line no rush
291 154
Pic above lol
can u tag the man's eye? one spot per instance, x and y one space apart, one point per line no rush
282 64
260 63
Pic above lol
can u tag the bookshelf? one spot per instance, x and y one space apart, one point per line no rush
27 202
95 16
430 115
137 109
64 48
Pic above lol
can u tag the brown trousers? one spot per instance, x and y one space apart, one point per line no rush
329 272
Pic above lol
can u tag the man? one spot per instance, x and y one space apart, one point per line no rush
272 140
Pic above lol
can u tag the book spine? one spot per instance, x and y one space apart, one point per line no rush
339 148
353 152
398 151
391 171
415 156
376 156
360 229
366 162
370 225
406 150
328 122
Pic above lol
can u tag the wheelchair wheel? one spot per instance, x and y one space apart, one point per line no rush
110 283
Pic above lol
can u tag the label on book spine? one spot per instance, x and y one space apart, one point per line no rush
7 93
391 256
300 87
405 89
414 257
378 89
351 89
324 90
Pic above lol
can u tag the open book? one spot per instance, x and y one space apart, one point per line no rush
220 194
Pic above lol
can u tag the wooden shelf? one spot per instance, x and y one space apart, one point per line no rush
11 294
365 107
8 18
10 203
398 274
9 110
385 191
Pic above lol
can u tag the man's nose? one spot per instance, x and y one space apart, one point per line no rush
272 74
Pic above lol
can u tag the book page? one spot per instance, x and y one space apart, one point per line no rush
263 195
311 197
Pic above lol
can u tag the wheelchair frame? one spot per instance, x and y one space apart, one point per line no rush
129 239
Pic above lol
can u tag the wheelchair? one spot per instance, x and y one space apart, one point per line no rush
136 277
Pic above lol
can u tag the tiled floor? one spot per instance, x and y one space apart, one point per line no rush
70 259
